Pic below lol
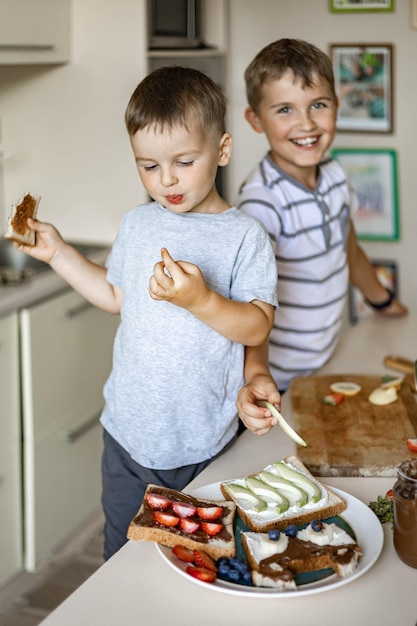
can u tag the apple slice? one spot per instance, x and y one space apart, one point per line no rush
285 426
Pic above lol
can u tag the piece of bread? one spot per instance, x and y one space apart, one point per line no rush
329 503
144 525
17 227
274 563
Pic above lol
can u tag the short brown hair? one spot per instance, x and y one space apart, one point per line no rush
175 95
274 60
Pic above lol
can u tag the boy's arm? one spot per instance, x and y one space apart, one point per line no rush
86 277
260 388
363 275
183 284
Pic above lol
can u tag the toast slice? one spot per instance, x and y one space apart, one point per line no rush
165 522
260 508
17 227
274 563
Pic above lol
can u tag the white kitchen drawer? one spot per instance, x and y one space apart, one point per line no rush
62 484
9 380
66 354
66 346
11 559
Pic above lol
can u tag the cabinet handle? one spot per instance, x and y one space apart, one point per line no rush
70 312
70 436
30 47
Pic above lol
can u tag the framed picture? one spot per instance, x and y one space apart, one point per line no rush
363 81
357 6
373 176
388 276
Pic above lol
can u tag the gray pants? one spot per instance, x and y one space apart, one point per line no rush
123 486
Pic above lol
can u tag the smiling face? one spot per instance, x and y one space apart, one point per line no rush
299 122
177 166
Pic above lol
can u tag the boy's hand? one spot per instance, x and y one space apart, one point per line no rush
48 241
257 418
395 309
178 282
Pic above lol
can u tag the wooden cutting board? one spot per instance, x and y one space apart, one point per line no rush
354 438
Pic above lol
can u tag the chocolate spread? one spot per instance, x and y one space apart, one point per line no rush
405 512
303 556
23 210
146 517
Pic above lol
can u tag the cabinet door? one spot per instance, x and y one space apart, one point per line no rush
34 31
11 559
10 451
66 350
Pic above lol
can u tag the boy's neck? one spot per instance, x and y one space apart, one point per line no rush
307 176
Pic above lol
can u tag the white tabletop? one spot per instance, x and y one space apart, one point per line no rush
137 587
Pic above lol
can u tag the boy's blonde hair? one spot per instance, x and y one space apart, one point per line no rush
176 95
301 57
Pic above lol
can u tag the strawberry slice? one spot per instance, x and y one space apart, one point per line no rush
201 573
412 445
209 512
211 528
165 519
201 559
157 501
183 553
189 526
184 509
390 494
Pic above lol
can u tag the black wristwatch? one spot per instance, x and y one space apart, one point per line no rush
384 304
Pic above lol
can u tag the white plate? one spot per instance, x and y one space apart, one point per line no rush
367 528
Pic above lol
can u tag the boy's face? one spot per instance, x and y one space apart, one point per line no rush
178 166
300 124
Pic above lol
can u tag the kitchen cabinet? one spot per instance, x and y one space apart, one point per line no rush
34 31
66 350
10 457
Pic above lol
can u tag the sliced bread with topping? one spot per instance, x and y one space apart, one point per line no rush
17 227
282 493
173 518
275 562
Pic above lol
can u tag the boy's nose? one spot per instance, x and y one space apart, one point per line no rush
168 178
305 121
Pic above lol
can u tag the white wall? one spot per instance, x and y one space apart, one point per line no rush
63 128
255 24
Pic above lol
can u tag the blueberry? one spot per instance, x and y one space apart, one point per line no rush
234 576
317 525
224 570
291 530
247 577
221 561
274 534
241 567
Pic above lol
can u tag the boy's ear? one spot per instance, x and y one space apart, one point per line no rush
253 119
225 149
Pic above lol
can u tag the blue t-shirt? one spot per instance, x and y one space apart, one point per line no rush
170 398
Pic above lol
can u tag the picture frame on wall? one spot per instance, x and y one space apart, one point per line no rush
364 86
358 6
372 173
387 272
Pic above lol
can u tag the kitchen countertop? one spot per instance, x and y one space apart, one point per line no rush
41 285
137 586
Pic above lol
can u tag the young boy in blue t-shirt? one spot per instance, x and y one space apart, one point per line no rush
194 280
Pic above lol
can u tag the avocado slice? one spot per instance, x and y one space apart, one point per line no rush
301 480
246 498
265 491
295 494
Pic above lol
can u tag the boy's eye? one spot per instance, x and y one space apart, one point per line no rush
319 105
185 163
283 110
147 168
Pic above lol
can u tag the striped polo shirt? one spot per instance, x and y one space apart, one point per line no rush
309 230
